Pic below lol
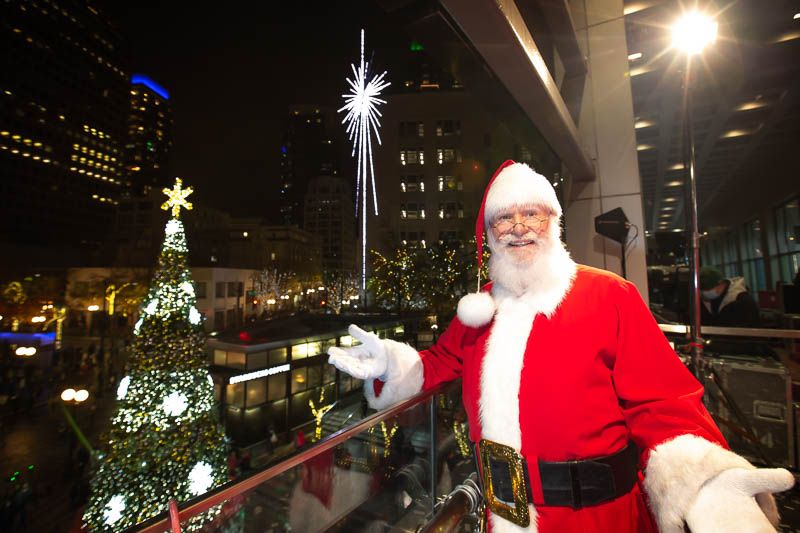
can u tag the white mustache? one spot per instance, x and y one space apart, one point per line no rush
530 236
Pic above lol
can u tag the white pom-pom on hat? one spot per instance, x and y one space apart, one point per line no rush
476 309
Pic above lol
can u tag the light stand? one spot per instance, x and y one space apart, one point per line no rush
691 34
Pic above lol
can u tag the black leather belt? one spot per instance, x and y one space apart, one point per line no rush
593 481
573 484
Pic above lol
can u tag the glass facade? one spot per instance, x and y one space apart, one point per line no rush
275 384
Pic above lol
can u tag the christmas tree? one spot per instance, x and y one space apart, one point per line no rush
165 439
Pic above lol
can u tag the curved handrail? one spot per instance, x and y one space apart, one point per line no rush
734 332
199 505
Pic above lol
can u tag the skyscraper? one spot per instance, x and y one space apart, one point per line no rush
309 149
62 123
330 215
149 135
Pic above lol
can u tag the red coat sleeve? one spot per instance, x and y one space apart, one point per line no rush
659 397
443 361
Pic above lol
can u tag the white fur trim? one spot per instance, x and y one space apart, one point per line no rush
476 309
505 355
501 525
675 472
500 382
519 184
404 376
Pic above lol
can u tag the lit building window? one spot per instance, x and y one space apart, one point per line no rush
448 155
412 183
412 157
448 183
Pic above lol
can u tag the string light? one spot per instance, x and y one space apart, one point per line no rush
430 278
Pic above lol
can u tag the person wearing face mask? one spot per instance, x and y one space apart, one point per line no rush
726 302
581 416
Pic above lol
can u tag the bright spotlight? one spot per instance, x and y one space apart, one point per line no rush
693 32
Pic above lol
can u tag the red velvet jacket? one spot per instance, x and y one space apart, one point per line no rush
595 374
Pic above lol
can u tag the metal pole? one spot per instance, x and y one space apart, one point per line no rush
696 339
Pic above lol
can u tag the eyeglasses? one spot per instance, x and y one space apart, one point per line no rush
506 223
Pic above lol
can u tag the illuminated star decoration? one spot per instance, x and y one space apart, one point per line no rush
201 478
122 390
361 105
176 198
113 511
175 404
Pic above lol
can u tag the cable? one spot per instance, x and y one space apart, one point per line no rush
632 239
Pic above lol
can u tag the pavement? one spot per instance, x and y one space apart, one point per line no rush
41 460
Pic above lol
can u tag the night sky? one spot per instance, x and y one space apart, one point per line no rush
232 72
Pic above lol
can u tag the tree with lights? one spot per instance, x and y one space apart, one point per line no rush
396 279
273 285
430 279
341 288
165 439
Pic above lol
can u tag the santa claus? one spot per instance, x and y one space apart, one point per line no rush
583 417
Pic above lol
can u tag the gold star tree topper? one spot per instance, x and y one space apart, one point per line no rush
176 198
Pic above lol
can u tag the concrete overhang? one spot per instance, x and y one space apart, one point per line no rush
498 33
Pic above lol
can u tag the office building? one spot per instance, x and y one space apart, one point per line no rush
149 135
330 216
62 127
309 149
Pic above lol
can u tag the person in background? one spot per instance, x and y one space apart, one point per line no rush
726 302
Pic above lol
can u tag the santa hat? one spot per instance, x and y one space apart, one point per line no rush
512 184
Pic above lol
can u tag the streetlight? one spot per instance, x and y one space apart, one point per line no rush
73 398
77 396
691 34
25 351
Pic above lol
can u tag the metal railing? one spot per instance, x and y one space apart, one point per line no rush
734 332
197 506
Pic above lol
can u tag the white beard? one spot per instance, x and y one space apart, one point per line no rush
545 270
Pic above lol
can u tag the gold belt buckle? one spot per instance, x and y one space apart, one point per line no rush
516 512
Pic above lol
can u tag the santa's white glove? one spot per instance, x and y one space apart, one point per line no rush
365 361
739 499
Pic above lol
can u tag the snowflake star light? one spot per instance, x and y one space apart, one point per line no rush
176 198
361 106
200 478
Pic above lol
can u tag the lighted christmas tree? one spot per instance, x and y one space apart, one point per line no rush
165 439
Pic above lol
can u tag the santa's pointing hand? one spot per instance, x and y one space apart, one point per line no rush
365 361
739 499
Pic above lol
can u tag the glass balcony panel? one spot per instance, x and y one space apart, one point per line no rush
376 475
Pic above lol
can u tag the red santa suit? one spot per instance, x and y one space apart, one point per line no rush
573 370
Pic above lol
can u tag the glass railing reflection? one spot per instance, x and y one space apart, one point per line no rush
385 471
